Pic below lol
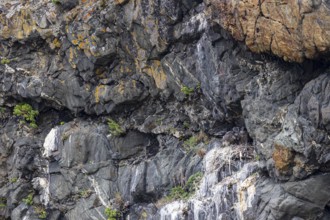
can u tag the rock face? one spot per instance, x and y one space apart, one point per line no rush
164 110
293 30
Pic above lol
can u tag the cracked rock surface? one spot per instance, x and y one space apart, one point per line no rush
164 110
294 30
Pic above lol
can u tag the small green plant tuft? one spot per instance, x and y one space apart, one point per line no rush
29 199
187 90
56 2
115 128
42 214
5 61
190 143
182 192
2 110
177 193
85 193
3 202
143 215
112 214
41 211
26 111
13 180
159 121
62 123
193 182
256 156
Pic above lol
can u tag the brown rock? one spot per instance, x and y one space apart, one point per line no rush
120 2
283 158
293 30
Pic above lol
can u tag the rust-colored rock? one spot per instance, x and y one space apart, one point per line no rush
120 2
283 158
291 29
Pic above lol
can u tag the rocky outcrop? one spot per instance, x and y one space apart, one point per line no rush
154 110
293 30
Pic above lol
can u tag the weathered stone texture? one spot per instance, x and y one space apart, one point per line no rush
293 30
137 96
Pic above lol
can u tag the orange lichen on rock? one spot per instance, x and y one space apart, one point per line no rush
155 70
99 91
283 158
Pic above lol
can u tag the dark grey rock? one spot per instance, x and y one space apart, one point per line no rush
19 212
133 144
88 208
81 148
293 199
88 61
59 187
